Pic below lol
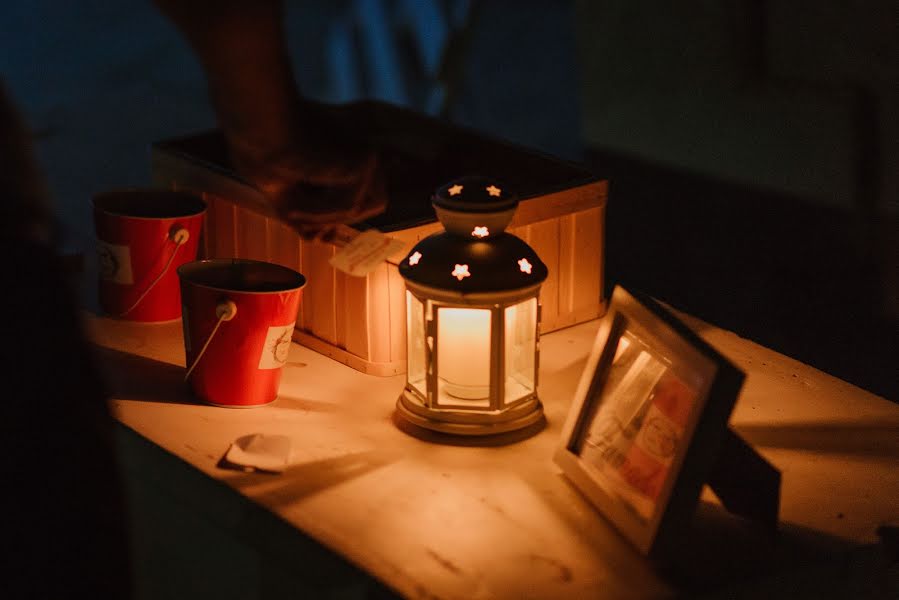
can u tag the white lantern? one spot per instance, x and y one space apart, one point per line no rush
472 316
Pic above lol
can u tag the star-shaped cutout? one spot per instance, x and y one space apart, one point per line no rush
480 232
461 272
455 190
525 266
493 190
413 260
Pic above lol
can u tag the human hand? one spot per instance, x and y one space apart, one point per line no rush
322 176
302 155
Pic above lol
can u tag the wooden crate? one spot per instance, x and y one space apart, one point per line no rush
360 321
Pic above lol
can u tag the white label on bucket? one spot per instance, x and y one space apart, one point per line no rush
365 253
277 346
114 263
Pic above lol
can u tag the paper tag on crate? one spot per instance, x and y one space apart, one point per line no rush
365 252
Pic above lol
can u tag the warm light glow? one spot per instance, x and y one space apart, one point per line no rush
416 369
455 190
480 232
461 272
623 343
413 260
525 266
493 190
463 355
520 349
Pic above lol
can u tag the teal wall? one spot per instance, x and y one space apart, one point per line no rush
792 95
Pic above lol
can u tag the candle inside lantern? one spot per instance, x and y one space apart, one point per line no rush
463 356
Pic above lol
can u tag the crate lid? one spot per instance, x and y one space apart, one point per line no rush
416 153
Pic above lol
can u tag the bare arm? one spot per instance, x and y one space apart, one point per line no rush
312 174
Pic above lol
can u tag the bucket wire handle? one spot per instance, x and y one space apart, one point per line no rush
180 237
225 311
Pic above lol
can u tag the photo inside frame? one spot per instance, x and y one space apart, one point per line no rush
637 420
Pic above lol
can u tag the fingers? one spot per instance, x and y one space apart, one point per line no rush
323 227
326 235
327 176
315 233
314 211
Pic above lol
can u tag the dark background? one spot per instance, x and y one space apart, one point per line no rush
751 145
752 148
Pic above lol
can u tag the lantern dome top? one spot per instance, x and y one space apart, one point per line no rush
475 194
474 254
474 206
449 262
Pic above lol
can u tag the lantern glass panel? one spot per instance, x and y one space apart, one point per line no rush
521 341
415 344
463 356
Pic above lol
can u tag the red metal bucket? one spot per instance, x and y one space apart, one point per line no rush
143 236
238 320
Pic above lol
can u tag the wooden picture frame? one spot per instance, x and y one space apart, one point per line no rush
647 422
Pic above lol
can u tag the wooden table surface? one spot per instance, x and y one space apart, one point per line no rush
440 521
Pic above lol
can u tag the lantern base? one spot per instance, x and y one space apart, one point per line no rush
527 414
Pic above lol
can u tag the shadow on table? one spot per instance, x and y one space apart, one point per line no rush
724 556
728 557
305 405
480 441
132 377
873 439
302 480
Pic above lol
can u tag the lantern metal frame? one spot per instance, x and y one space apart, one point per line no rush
425 410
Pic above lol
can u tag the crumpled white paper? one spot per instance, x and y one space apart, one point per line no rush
260 451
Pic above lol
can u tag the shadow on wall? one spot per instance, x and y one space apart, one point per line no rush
778 270
749 147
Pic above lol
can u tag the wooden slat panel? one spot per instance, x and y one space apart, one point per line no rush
601 216
556 204
224 221
284 246
544 239
251 235
238 225
587 270
284 249
212 225
569 255
319 309
379 315
522 231
340 324
271 228
355 316
308 302
379 369
532 210
397 308
410 237
366 316
206 244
